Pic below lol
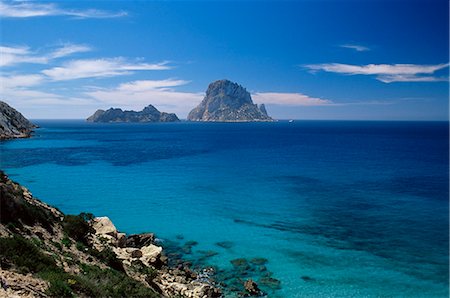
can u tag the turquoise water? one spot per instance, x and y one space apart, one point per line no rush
339 209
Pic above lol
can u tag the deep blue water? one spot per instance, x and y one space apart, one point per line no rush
361 208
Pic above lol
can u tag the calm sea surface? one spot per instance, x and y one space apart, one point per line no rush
339 209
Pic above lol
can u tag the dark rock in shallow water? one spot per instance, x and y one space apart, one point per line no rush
225 244
187 247
207 253
240 264
258 261
307 278
13 124
228 102
148 114
270 282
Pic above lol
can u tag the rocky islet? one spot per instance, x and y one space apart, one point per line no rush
226 101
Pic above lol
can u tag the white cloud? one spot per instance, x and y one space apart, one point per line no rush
25 9
16 55
69 49
145 85
90 68
293 99
355 47
18 81
409 78
386 73
20 54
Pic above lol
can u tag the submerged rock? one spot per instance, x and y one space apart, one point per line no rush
225 244
148 114
307 278
270 282
258 261
228 102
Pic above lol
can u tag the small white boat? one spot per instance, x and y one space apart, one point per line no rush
290 121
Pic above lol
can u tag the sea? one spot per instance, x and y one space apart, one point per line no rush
338 208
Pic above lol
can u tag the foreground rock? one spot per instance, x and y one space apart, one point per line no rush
13 124
228 102
148 114
44 252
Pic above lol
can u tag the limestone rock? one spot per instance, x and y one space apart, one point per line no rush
151 253
252 288
148 114
13 124
228 102
104 226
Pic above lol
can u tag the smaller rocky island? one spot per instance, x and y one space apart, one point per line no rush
226 101
148 114
13 124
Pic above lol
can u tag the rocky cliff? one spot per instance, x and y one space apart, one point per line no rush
148 114
228 102
13 124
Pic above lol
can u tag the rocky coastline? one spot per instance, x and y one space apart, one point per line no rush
13 124
46 253
71 246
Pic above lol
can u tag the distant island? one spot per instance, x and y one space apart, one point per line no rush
226 101
13 124
148 114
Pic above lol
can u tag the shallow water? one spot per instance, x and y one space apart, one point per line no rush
342 209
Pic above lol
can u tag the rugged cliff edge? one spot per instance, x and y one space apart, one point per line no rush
13 124
228 102
148 114
44 252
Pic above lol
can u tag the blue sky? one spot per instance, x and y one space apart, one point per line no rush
374 60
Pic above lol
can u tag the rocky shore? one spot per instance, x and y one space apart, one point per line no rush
13 124
45 253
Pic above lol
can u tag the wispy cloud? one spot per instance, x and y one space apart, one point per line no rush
26 9
16 55
11 55
292 99
69 49
146 85
19 81
355 47
98 68
386 73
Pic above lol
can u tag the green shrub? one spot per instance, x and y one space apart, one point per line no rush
25 255
66 242
16 210
78 227
112 283
108 257
80 246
